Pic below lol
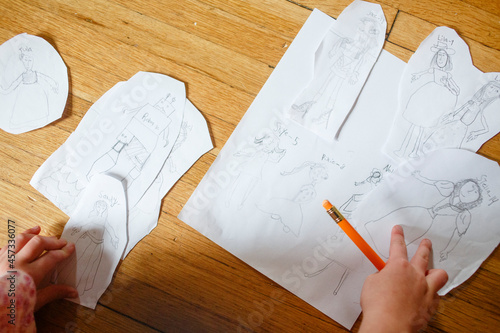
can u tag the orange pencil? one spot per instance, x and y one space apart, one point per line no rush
354 235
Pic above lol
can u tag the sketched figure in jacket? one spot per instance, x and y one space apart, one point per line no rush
459 199
32 88
135 144
430 101
455 127
265 149
89 249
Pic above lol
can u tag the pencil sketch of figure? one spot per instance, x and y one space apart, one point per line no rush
32 89
368 184
347 56
135 144
89 248
454 129
435 97
459 199
265 149
288 209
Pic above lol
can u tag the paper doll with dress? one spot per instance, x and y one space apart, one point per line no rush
31 88
346 58
456 201
90 248
436 96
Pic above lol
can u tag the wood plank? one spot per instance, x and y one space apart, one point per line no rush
177 280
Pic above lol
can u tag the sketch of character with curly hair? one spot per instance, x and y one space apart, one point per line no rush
457 200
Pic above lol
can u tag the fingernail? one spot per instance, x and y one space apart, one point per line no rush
73 294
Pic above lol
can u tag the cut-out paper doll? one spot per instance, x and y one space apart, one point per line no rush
90 245
455 129
32 88
346 57
435 97
288 210
135 144
342 62
265 149
458 200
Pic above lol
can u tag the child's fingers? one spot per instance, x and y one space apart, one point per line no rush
436 279
37 245
34 230
420 259
46 263
397 248
52 293
21 240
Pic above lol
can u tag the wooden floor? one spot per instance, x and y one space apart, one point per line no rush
176 280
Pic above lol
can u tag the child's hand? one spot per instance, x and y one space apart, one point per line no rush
31 258
402 297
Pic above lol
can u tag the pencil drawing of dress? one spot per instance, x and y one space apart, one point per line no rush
417 220
90 247
31 102
430 101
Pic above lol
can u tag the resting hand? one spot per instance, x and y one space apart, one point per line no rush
402 297
37 256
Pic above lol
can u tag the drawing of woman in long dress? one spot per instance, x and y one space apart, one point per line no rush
459 199
89 249
430 101
265 149
453 132
31 104
347 56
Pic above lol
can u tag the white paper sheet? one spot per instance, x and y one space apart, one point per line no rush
342 64
33 84
193 141
128 134
98 227
444 101
451 197
262 197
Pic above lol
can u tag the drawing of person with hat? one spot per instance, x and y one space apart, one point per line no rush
437 96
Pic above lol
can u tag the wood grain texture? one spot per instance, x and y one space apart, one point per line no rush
176 280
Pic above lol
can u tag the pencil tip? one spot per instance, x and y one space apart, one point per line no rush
327 204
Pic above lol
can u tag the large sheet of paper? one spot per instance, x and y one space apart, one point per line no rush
450 197
341 66
98 227
262 198
33 84
444 101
